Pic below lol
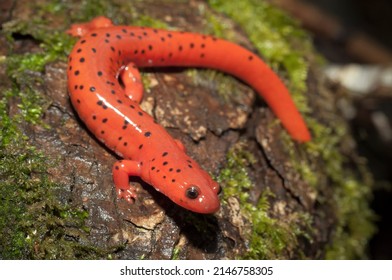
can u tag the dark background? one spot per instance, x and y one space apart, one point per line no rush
374 19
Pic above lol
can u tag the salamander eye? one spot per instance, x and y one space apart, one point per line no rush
192 192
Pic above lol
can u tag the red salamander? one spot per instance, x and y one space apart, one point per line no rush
106 53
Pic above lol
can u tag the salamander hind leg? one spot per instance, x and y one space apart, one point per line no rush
81 29
132 81
121 172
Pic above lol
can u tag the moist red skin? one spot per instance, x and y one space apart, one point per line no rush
112 113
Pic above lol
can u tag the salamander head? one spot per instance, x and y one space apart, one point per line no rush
200 197
185 184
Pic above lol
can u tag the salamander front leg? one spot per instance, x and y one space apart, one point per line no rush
121 171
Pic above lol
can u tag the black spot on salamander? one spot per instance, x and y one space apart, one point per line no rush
77 72
132 34
152 168
140 113
163 39
125 144
113 91
124 127
100 103
104 120
76 87
140 37
124 30
155 31
190 166
165 163
104 107
147 134
94 34
140 146
119 101
170 54
149 47
81 87
78 101
112 48
135 51
120 138
202 55
94 50
116 167
170 169
107 41
108 35
102 131
250 57
94 117
191 45
180 48
178 170
92 89
99 73
142 52
70 58
202 46
70 68
83 41
169 35
173 180
165 154
118 37
133 107
82 59
79 50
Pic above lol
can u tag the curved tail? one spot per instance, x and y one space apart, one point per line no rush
209 52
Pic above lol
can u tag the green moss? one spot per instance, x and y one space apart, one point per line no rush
270 237
274 238
176 253
32 221
354 226
55 45
234 176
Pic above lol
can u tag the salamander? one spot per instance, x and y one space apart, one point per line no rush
105 89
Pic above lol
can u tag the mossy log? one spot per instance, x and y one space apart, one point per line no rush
281 199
